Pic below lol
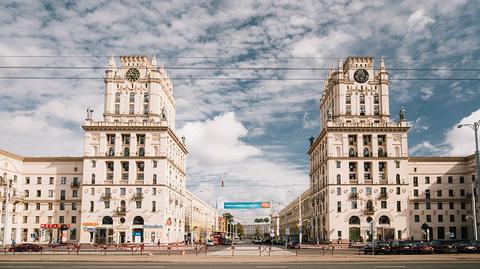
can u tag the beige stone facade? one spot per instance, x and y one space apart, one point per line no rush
360 170
129 185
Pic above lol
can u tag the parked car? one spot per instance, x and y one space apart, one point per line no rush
26 248
293 245
359 245
444 246
210 242
380 248
256 240
469 247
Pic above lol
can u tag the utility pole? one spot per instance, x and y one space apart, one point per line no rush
475 126
191 220
300 220
6 193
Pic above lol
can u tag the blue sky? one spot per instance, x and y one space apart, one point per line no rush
251 134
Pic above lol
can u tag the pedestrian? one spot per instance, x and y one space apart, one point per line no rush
13 243
158 243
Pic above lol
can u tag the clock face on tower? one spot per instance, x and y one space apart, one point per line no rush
360 76
132 74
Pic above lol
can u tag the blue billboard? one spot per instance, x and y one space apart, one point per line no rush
245 205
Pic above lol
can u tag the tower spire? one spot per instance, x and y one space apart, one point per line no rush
111 63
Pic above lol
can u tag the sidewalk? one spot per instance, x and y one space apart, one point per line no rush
442 258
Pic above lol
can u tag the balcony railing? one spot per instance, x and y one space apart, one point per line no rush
106 196
125 176
75 184
109 176
120 211
353 196
369 211
383 196
137 197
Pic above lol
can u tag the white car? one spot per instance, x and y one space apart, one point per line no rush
210 242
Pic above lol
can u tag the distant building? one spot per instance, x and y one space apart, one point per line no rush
360 170
256 229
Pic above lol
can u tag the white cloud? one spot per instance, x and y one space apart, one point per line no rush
417 22
461 141
419 125
307 121
422 148
426 93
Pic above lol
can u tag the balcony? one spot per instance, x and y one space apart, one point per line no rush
75 184
125 176
383 196
109 176
137 197
353 196
106 196
120 211
369 211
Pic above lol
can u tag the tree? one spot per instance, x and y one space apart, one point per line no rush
240 231
257 232
228 217
265 220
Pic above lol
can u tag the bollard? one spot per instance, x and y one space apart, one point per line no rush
296 251
260 250
323 250
205 250
333 247
142 248
196 251
169 249
269 250
233 251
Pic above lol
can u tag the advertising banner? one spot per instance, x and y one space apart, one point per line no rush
246 205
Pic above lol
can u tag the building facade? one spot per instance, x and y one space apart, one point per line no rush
201 219
361 173
129 185
256 230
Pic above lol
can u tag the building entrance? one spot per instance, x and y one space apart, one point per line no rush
122 237
137 235
103 235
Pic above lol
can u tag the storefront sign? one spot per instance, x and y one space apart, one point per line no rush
153 225
49 226
245 205
89 224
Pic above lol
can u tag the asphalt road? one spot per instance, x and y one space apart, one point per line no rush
152 265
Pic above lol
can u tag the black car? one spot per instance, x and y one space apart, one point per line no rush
293 245
469 247
25 248
444 246
380 248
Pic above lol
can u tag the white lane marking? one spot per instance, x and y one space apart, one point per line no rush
118 266
270 266
390 266
20 266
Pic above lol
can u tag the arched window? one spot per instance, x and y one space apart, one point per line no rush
362 98
339 179
123 204
141 151
369 205
366 152
398 178
138 220
380 152
348 99
369 219
384 220
132 97
117 97
107 220
354 220
351 152
154 178
146 97
111 151
375 98
126 152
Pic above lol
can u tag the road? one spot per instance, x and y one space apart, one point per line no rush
155 265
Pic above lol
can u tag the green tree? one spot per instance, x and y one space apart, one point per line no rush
240 230
257 232
265 220
228 217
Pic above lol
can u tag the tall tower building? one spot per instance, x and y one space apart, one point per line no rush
134 163
359 162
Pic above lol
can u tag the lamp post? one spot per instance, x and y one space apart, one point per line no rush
475 126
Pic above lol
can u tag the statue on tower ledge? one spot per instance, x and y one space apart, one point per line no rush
402 114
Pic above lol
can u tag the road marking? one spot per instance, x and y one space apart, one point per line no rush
20 266
270 266
120 266
390 266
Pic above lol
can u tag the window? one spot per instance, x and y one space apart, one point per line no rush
27 193
462 180
117 97
132 97
154 178
117 108
50 193
39 180
398 190
37 219
439 193
138 204
94 164
462 192
440 205
61 219
375 98
131 109
74 219
416 205
145 109
39 193
50 206
427 194
451 205
368 190
450 180
428 205
452 218
384 204
154 164
439 180
339 206
417 218
74 206
51 180
462 205
362 99
93 179
429 218
123 191
107 204
399 206
37 206
62 206
415 181
339 179
450 193
75 193
354 204
27 180
440 218
25 219
427 180
397 164
154 191
339 191
92 206
464 218
25 206
63 180
154 206
415 193
348 99
62 194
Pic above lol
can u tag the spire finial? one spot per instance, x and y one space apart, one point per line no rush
382 64
111 63
154 61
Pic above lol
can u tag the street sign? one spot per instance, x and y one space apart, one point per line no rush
245 205
287 231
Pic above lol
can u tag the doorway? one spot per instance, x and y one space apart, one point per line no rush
122 237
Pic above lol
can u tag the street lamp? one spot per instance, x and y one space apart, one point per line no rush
475 126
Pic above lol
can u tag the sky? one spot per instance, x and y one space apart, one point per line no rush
250 134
